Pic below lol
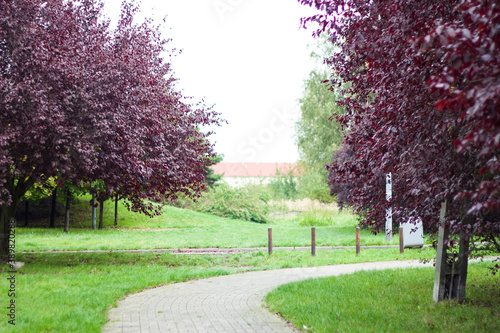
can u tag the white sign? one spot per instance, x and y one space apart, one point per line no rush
388 213
413 233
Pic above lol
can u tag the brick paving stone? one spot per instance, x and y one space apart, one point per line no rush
224 304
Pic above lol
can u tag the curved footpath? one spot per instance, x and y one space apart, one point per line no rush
231 303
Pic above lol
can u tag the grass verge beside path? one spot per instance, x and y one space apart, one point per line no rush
72 292
389 301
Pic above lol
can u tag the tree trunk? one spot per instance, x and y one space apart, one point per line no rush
8 214
101 213
7 225
462 269
67 210
116 210
451 269
53 209
26 212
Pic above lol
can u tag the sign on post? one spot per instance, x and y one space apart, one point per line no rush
413 233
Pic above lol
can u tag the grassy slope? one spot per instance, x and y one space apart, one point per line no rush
179 228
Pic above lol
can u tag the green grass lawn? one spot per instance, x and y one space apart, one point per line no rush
72 292
389 301
180 228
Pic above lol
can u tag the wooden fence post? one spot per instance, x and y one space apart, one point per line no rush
313 241
270 241
358 241
93 213
401 240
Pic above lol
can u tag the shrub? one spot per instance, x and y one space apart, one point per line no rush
313 184
283 186
236 203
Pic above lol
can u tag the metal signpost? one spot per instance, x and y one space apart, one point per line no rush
388 214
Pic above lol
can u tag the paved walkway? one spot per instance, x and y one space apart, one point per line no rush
232 303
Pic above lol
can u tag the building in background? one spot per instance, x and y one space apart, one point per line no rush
240 173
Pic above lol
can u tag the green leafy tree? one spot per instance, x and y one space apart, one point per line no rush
211 177
83 101
318 134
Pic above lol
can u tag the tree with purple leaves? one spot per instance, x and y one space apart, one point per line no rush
82 102
423 103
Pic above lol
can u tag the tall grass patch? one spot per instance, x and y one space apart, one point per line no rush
327 217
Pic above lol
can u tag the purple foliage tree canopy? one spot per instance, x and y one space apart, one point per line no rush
82 102
423 103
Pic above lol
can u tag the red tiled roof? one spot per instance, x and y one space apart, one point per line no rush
236 169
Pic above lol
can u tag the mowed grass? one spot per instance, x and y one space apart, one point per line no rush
72 292
181 228
389 301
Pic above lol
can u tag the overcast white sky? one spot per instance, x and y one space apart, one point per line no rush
249 58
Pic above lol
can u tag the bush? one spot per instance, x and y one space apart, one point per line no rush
235 203
283 186
313 184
